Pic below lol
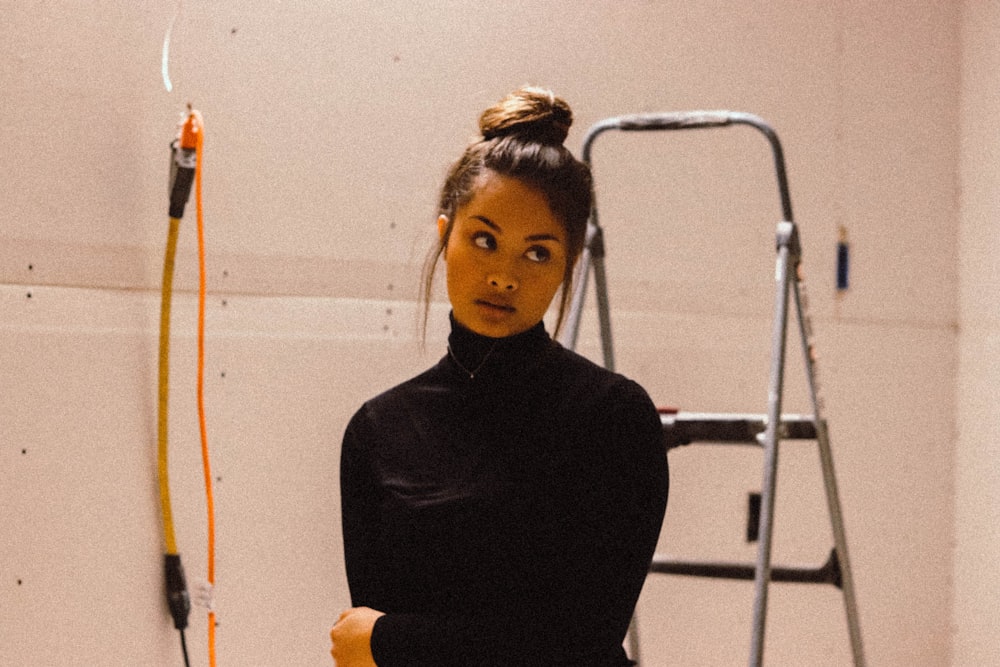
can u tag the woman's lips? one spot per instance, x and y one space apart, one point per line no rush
494 306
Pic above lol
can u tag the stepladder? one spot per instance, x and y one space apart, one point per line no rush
766 430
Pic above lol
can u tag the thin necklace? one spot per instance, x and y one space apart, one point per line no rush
472 373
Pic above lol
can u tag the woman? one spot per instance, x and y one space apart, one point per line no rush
502 507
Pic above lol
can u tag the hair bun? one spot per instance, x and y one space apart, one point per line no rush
533 114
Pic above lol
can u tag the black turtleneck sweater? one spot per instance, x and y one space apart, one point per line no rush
507 518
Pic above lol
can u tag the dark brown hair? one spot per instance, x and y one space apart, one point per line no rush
522 138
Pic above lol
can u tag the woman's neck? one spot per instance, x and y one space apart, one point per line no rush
474 354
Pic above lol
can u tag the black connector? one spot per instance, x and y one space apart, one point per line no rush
843 266
182 167
177 594
753 516
843 260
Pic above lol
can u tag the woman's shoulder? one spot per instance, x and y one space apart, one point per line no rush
574 365
395 398
605 407
592 383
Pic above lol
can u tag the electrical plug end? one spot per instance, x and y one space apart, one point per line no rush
177 595
190 130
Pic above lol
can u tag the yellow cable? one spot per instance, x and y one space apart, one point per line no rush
169 537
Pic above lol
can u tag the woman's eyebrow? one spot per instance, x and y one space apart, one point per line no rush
489 223
543 237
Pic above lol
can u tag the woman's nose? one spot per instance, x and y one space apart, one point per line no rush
502 281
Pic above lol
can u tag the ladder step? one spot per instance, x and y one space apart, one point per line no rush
827 573
684 428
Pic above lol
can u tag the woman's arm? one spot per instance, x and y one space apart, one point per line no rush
360 515
609 520
351 635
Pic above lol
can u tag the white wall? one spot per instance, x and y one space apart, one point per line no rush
328 129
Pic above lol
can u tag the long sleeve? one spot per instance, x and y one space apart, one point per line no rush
359 498
608 516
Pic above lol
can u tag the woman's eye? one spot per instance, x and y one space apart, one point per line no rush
484 240
538 254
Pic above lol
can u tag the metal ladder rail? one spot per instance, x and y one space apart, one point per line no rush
789 257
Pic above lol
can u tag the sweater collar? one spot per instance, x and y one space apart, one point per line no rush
476 356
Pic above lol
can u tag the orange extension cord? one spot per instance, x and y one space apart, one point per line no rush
205 458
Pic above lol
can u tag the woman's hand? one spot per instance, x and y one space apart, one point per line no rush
352 638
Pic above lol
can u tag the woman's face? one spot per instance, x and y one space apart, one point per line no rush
506 257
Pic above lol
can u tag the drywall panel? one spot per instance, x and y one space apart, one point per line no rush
898 173
977 579
878 384
83 540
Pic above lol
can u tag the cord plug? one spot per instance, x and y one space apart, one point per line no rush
182 166
177 595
